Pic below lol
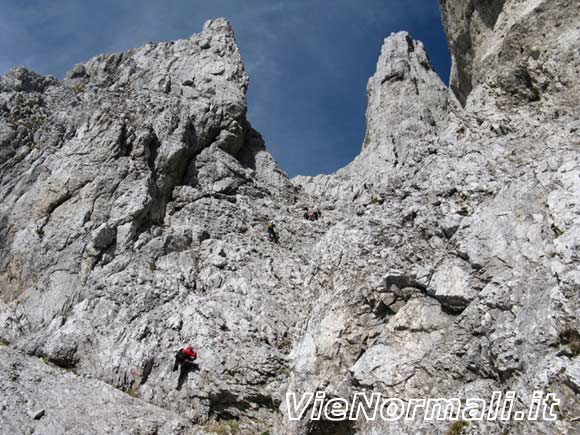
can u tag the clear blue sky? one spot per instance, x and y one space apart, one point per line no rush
308 60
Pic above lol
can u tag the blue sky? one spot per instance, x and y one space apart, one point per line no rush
308 60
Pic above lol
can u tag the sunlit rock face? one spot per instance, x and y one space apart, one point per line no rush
513 53
135 198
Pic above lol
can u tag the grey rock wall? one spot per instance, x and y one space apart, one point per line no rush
134 202
514 52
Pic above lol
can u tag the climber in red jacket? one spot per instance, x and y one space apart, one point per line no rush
189 353
186 359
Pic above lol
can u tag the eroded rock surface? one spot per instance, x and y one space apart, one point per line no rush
135 199
466 286
512 52
40 399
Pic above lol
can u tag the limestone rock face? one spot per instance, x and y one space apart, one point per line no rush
84 405
121 187
135 198
406 97
456 294
514 52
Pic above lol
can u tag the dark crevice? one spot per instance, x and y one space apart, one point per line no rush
253 144
147 368
395 284
463 85
402 281
524 77
58 202
452 310
326 427
225 405
489 11
151 150
5 239
125 146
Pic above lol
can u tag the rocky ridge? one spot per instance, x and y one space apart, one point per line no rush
135 196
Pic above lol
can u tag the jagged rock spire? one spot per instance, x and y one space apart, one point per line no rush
407 103
407 99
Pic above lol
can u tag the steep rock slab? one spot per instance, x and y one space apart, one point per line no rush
41 399
515 52
465 240
135 197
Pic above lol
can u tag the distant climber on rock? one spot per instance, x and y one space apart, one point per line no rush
186 359
312 214
272 236
377 199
